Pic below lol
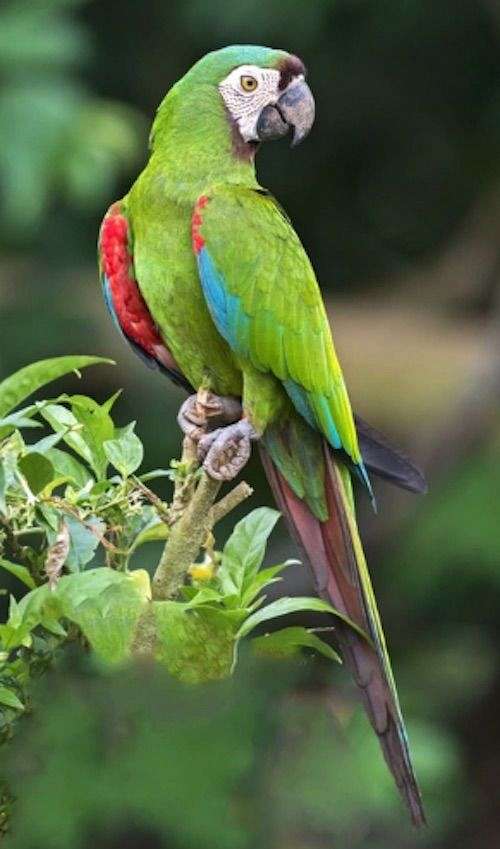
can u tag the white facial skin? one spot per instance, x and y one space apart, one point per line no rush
246 91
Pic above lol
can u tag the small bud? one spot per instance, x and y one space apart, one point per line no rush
202 571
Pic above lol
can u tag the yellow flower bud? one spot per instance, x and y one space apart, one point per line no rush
202 571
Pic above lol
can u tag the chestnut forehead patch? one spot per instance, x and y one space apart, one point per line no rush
290 68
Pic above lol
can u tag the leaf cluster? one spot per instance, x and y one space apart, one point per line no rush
65 499
73 510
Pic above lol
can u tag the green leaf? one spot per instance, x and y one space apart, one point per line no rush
110 403
285 606
20 419
74 590
155 531
63 421
106 605
289 641
37 470
3 489
244 551
84 539
67 466
8 466
31 611
126 452
97 428
49 517
45 444
256 583
29 379
20 572
84 429
195 645
15 614
9 699
207 595
14 445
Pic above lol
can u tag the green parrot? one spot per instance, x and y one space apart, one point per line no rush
207 280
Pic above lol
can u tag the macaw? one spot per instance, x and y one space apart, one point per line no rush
207 280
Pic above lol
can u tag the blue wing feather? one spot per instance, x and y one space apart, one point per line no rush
234 325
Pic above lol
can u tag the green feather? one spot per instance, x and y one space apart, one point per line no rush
264 268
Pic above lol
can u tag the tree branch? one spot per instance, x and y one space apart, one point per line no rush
193 514
186 539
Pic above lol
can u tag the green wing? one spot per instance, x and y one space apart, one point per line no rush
264 299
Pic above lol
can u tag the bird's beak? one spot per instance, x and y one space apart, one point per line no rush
295 108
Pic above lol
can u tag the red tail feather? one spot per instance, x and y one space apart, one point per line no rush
330 551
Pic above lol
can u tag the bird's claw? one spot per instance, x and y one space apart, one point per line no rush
204 412
188 419
227 450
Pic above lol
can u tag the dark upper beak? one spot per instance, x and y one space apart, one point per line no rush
294 109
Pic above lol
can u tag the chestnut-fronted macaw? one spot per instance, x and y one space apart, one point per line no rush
206 278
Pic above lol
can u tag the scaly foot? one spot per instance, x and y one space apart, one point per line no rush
205 412
227 450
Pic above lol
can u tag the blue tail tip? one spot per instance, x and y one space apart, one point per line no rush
366 480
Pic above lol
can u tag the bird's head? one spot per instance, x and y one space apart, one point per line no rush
266 95
259 93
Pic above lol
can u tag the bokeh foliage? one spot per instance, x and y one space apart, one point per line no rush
238 764
59 141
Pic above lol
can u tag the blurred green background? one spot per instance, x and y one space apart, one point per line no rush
396 195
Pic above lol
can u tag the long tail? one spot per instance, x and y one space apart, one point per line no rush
383 459
335 554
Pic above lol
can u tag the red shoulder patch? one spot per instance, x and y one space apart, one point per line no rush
196 222
129 306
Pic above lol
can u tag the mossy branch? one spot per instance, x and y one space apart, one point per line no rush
186 539
195 513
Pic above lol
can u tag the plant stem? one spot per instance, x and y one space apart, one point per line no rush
187 536
184 487
193 513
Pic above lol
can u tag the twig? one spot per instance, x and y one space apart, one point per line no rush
154 499
230 501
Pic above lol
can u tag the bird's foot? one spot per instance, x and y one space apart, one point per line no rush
227 450
204 412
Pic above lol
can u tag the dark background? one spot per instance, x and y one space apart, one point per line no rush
396 195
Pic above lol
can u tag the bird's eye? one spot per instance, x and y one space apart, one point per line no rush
248 83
